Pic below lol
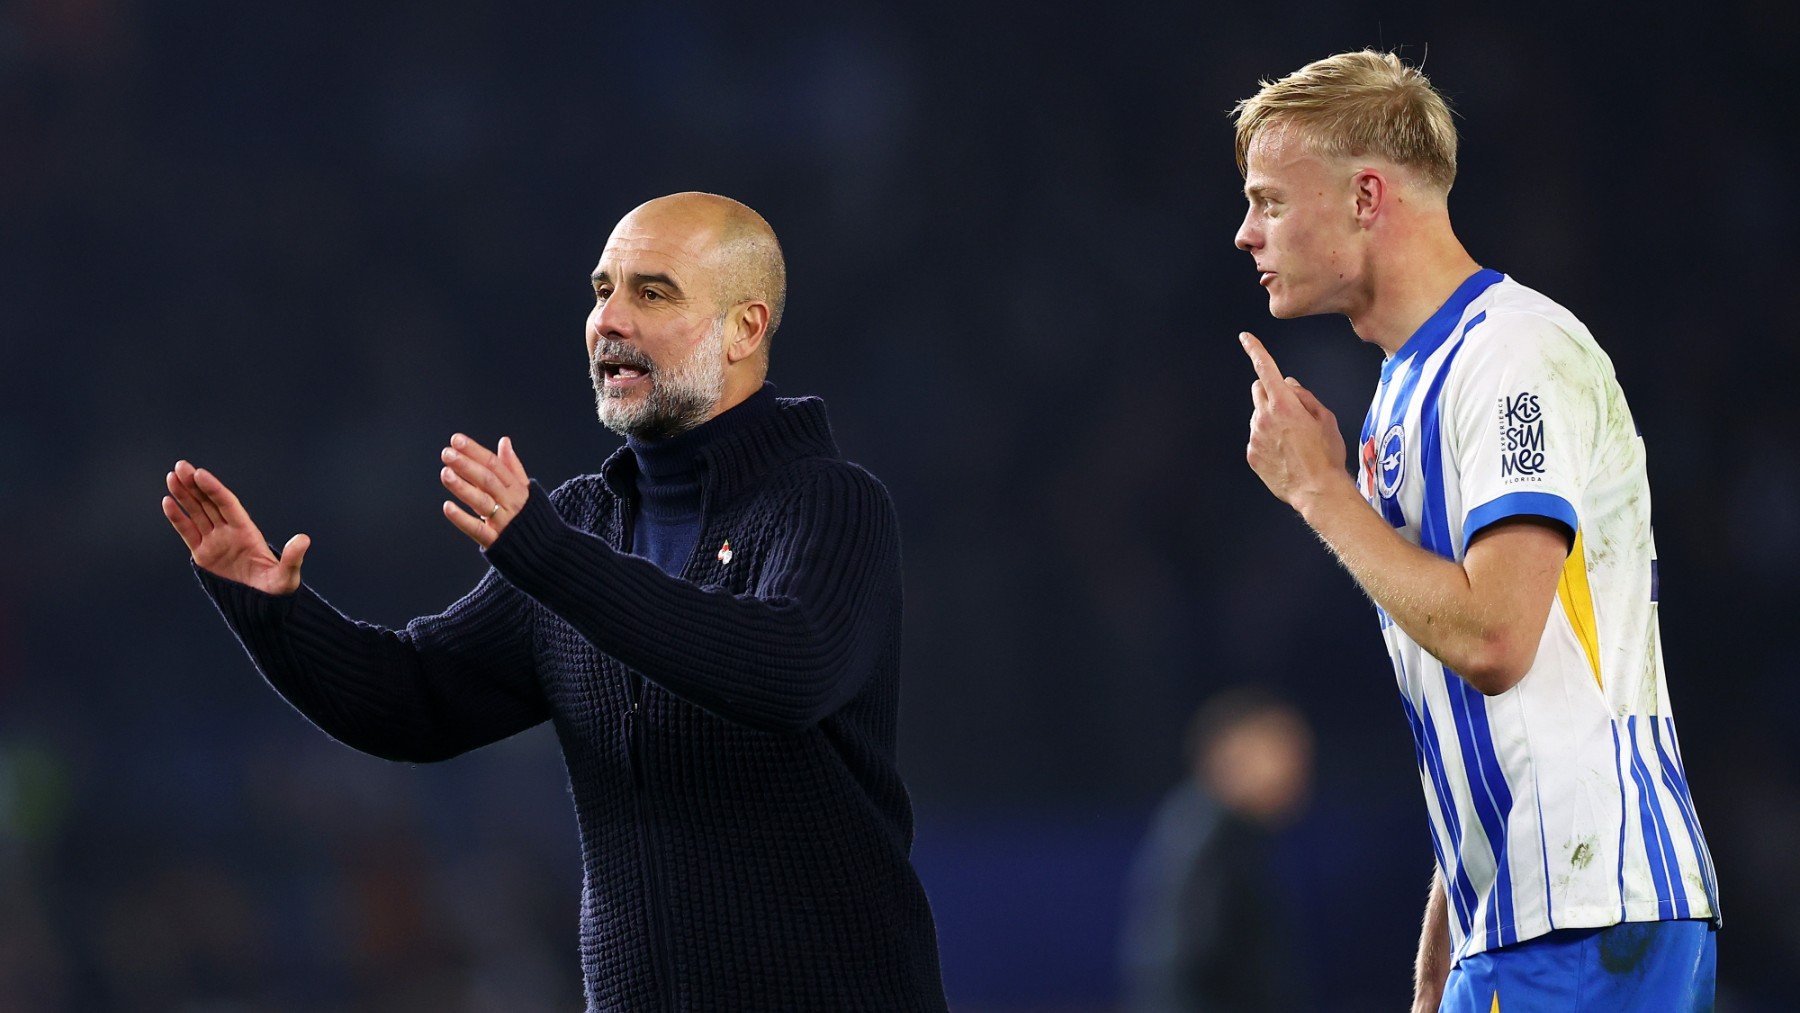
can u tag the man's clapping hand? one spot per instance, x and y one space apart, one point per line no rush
224 541
222 538
492 485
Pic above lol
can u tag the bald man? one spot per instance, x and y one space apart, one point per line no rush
712 622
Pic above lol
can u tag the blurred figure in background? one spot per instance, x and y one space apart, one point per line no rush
1204 927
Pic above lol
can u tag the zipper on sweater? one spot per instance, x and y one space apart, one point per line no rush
635 688
658 928
634 685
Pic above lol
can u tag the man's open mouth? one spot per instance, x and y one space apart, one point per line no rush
620 371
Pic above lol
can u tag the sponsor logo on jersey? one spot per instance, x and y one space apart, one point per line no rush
1521 436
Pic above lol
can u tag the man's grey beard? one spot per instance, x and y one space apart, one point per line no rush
680 398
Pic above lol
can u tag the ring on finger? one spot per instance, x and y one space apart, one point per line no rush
491 513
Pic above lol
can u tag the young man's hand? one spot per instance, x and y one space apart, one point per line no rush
1295 445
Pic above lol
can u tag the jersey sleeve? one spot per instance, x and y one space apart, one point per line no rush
1524 400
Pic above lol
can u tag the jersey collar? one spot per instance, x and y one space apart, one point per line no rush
1434 330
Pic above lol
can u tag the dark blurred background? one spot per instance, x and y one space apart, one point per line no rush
300 244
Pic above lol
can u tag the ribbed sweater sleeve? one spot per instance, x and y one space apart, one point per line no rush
442 686
779 658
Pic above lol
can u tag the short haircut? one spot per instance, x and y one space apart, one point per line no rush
1356 104
753 268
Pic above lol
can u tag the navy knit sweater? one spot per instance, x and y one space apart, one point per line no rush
744 831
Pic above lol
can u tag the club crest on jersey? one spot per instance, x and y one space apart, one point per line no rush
1521 436
1390 462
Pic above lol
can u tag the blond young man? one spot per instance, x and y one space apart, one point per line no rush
1500 522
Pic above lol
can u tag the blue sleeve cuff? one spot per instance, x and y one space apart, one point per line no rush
1520 504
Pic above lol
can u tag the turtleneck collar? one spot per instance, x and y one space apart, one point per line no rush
668 470
796 427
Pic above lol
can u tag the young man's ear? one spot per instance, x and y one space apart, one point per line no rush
1370 192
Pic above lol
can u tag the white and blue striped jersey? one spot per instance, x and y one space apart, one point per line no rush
1563 802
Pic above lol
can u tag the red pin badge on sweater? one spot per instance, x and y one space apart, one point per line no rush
725 553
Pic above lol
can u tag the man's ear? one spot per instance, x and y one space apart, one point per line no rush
750 328
1369 190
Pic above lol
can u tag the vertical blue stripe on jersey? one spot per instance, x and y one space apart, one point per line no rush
1681 777
1677 889
1676 782
1460 890
1409 382
1680 772
1425 768
1544 849
1487 782
1486 785
1665 869
1458 877
1434 525
1618 773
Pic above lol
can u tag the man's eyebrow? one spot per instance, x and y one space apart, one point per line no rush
657 279
641 279
1259 190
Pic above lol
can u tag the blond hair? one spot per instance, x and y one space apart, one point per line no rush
1356 104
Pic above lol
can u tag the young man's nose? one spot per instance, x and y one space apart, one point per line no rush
1248 238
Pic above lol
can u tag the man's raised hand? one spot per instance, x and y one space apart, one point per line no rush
1295 445
492 485
221 537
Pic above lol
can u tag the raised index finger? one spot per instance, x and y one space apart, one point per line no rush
1265 367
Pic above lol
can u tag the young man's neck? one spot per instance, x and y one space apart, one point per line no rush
1409 284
